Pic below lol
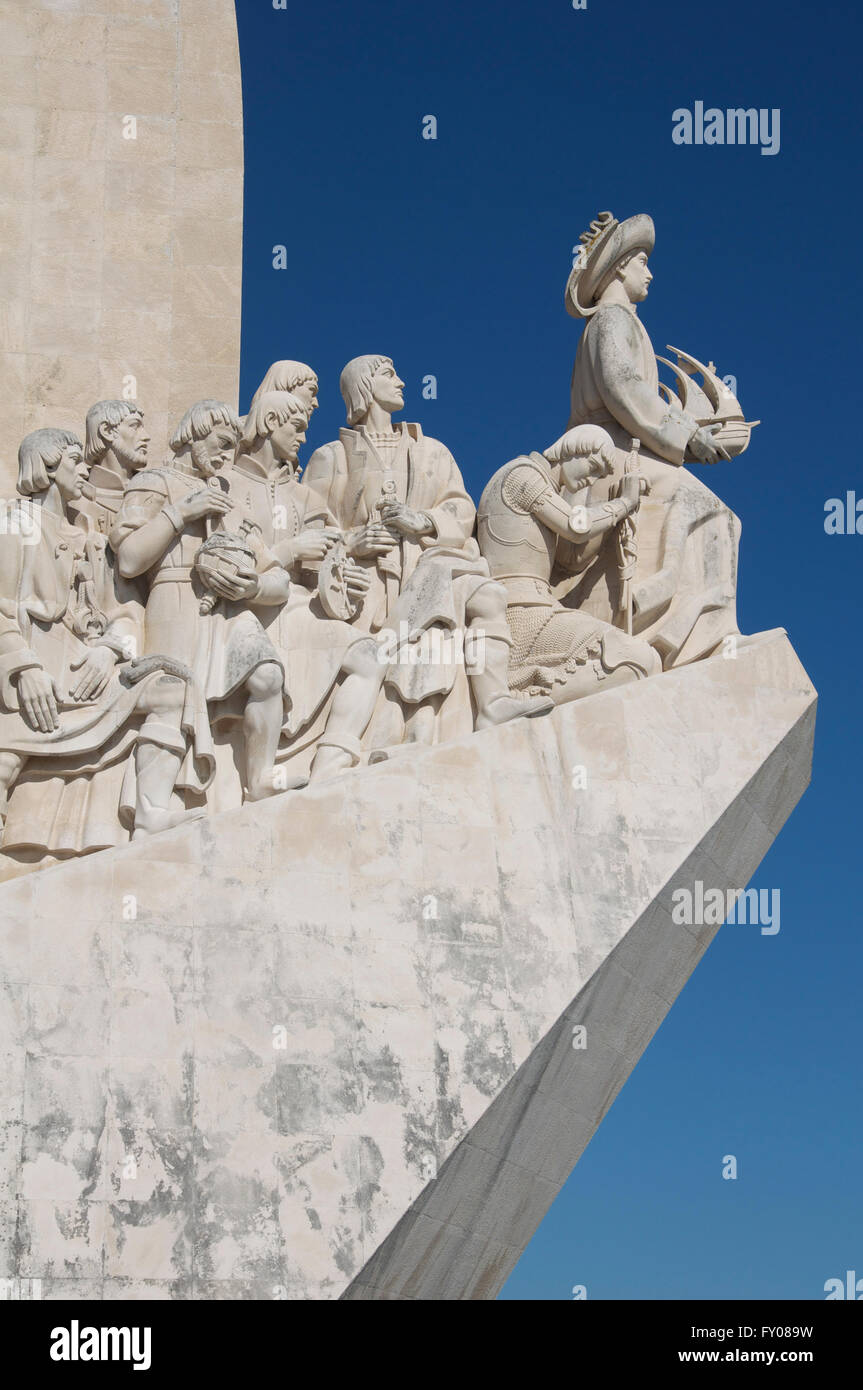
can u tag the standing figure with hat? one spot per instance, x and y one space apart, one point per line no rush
684 588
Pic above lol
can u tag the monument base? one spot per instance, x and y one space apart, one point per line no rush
323 1045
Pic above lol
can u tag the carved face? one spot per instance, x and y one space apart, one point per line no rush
307 392
129 441
388 388
636 278
576 472
71 472
286 439
214 451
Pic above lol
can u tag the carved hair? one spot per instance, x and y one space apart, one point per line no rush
355 384
582 441
38 455
285 376
272 409
200 419
105 413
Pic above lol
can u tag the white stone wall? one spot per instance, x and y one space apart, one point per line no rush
120 257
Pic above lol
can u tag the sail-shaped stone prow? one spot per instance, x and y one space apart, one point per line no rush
334 1030
463 1236
121 211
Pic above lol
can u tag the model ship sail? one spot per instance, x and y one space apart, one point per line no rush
711 403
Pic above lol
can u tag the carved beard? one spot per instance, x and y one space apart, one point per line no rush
201 459
129 462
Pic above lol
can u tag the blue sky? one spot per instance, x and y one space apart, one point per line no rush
451 256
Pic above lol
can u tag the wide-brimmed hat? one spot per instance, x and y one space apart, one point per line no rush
606 243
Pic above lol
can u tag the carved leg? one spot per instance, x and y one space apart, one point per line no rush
485 613
420 721
352 709
262 724
419 730
159 756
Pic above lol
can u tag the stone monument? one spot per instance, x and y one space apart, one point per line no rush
341 818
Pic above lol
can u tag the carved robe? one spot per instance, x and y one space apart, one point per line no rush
56 601
423 582
311 647
84 808
351 477
686 578
221 648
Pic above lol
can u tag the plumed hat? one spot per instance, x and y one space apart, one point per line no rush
602 246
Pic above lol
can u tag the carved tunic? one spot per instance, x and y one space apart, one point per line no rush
350 476
311 647
686 577
421 583
223 647
615 384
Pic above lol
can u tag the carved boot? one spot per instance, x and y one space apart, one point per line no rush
495 703
156 767
335 754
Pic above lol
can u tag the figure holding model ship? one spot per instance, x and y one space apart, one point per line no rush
684 585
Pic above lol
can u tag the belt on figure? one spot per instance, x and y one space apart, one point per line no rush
173 574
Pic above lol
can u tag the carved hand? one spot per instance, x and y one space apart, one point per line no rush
704 447
95 668
37 696
245 584
310 545
357 580
372 539
405 520
205 502
630 490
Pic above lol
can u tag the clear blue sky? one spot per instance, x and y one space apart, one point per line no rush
451 256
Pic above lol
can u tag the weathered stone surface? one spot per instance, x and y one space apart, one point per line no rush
321 1046
112 246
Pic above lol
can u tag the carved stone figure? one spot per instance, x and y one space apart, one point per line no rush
116 447
332 671
685 586
216 629
294 377
399 497
558 651
71 702
166 515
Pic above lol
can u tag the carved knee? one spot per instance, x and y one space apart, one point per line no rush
266 680
166 695
488 604
363 659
